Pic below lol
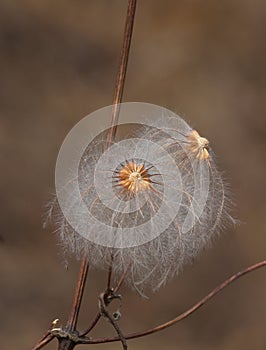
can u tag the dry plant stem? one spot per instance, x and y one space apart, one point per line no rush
43 341
73 317
121 75
92 325
109 278
98 316
105 313
184 314
119 88
68 344
118 93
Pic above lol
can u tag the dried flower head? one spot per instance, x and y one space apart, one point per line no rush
133 177
148 204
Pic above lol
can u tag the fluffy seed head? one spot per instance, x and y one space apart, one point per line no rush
148 205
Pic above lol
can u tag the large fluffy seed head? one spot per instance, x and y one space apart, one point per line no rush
148 204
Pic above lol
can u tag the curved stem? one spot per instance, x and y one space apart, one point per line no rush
184 314
106 314
98 316
92 325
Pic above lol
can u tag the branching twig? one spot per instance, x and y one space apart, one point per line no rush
103 303
186 313
98 316
46 338
43 341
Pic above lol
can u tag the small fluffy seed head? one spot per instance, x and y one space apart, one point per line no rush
198 145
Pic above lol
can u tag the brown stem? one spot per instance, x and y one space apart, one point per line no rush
121 280
98 316
184 314
121 75
73 317
92 325
106 314
109 277
43 341
67 344
117 99
118 93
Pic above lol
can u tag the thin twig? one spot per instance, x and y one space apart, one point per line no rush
47 337
106 314
43 341
121 75
92 325
120 83
184 314
98 316
73 317
121 280
118 92
110 270
68 343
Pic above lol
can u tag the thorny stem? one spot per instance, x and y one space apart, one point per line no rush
184 314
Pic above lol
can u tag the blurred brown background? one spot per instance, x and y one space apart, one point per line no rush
203 59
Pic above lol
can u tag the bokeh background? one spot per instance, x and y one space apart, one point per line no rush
203 59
